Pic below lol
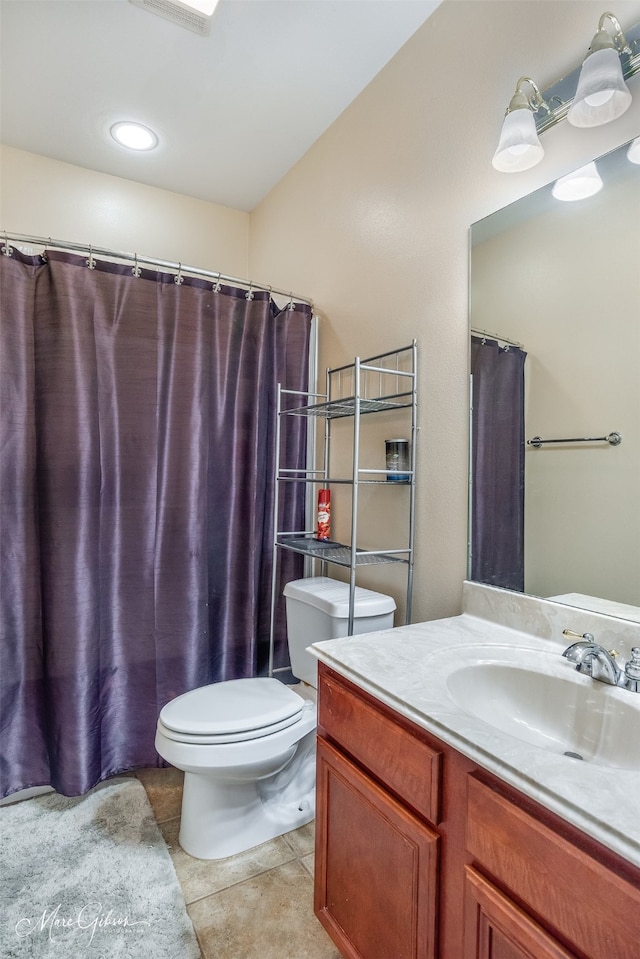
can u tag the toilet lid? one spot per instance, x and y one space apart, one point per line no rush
233 707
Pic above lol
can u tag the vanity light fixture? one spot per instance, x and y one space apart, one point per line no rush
592 94
578 185
519 147
633 153
602 94
134 136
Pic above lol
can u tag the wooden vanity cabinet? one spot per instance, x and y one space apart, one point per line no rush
376 854
420 854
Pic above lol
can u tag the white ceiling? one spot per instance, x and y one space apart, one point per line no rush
234 111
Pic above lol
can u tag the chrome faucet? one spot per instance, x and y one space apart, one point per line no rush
601 665
594 660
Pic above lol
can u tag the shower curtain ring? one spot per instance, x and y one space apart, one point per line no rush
291 307
6 249
216 285
91 263
249 294
135 270
178 278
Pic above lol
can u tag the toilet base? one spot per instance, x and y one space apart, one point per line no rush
221 819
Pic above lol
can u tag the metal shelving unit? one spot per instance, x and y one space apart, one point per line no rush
378 384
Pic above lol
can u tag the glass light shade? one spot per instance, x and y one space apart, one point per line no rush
578 185
602 94
633 153
519 147
135 136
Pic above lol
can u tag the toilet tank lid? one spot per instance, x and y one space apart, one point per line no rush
332 597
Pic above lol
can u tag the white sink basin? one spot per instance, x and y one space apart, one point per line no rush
539 698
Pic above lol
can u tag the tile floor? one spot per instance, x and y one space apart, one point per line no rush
256 905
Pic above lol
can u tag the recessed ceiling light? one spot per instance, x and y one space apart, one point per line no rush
135 136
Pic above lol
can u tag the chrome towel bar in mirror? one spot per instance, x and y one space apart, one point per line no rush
614 439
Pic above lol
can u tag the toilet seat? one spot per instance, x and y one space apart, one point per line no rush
233 711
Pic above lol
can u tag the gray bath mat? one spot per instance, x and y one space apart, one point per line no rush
90 877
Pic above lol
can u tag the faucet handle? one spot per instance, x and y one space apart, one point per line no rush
634 662
632 671
587 637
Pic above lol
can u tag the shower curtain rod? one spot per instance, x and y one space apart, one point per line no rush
494 336
136 259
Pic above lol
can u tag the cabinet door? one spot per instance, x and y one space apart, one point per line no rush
376 866
495 928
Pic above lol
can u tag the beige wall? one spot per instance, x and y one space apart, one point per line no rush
373 223
44 197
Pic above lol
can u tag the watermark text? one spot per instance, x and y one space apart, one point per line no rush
89 918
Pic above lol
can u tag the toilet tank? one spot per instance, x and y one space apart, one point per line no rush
318 608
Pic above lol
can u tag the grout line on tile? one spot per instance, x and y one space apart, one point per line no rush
198 939
240 882
289 843
165 822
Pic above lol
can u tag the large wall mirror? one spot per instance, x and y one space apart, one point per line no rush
555 333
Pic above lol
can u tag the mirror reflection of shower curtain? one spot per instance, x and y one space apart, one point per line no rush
497 470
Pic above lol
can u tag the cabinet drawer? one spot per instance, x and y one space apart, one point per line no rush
394 751
581 899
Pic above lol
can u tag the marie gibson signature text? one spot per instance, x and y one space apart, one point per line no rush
90 917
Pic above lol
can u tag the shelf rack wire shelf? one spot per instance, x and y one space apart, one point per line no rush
347 407
382 383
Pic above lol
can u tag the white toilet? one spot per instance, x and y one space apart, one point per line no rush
247 746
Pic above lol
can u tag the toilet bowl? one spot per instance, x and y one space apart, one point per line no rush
230 738
247 746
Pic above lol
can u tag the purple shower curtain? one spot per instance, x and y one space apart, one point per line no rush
137 454
497 503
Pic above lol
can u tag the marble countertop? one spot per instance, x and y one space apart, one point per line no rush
405 668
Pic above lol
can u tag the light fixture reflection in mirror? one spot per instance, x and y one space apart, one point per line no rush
578 185
633 153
